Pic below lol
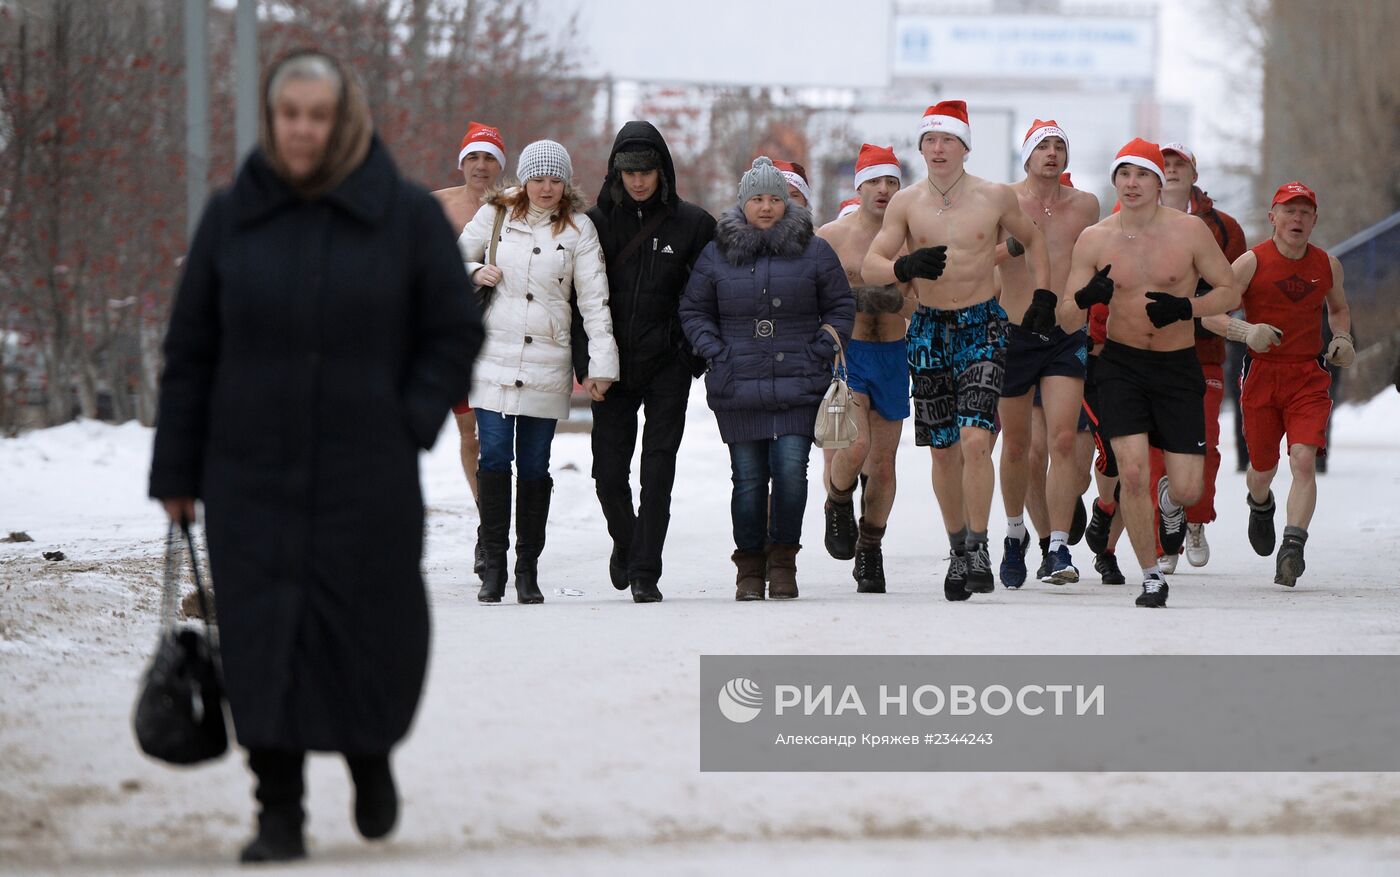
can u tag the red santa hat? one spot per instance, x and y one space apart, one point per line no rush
1141 153
876 161
948 117
1065 180
849 206
1039 130
482 138
796 177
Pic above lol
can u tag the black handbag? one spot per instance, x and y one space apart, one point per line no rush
179 715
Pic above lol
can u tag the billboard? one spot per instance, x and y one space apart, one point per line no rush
1033 47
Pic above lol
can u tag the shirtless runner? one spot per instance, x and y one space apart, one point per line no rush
1148 377
878 376
480 159
956 343
1053 361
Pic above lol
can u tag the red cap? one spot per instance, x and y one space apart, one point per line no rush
796 175
1065 180
876 161
949 117
1141 153
1290 191
482 138
850 205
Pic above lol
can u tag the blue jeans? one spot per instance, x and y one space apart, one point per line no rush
507 437
781 462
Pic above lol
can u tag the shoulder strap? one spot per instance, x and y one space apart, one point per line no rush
495 235
640 237
839 363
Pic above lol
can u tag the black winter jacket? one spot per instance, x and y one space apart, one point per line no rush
314 348
645 291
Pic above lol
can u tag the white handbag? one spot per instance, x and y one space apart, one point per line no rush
836 425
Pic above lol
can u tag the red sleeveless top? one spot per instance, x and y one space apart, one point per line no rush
1289 294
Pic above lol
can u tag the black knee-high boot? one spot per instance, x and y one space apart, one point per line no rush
376 799
493 490
531 516
280 820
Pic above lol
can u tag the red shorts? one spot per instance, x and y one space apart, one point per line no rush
462 407
1278 398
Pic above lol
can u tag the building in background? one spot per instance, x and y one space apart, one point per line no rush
850 74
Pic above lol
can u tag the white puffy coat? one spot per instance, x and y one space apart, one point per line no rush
525 365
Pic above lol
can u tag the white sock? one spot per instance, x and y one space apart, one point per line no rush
1151 572
1169 506
1058 540
1016 528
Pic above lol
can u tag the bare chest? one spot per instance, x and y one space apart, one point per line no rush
967 223
851 250
1150 262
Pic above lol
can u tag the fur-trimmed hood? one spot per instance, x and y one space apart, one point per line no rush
741 244
501 196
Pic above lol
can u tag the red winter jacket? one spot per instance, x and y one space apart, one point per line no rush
1210 348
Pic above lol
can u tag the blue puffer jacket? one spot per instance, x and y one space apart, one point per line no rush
762 384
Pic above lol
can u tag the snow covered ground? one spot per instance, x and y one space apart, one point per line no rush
564 738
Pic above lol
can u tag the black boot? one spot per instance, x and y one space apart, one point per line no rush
531 515
1290 563
869 570
1261 525
279 791
376 799
493 488
479 554
622 523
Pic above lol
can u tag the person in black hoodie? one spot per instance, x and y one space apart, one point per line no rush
651 239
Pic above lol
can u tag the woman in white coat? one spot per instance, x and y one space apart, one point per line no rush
546 254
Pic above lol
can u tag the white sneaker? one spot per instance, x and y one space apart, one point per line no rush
1167 564
1197 548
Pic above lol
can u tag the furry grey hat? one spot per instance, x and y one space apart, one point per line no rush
637 160
544 158
762 179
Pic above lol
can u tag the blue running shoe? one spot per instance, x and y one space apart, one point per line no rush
1013 561
1061 570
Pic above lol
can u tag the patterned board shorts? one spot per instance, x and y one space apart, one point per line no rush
957 360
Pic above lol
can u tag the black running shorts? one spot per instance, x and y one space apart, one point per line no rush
1157 392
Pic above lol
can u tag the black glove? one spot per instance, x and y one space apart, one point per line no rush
879 299
925 262
1040 314
1015 248
1165 308
1097 291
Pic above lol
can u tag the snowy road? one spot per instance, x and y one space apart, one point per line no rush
564 738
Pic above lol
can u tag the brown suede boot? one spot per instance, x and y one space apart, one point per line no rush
749 581
782 571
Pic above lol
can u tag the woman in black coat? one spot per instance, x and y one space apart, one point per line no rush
754 308
322 330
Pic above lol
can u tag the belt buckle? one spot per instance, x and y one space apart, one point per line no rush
763 328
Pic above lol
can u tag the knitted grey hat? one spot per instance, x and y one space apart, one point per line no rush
544 158
762 179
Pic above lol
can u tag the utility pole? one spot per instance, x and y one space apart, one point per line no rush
196 112
245 65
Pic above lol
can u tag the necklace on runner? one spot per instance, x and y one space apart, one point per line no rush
947 202
1053 199
1124 229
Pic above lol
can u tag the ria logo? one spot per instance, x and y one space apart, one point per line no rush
741 700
